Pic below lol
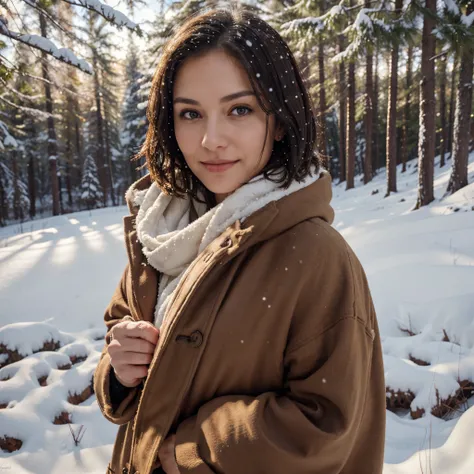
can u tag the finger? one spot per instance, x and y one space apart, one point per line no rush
135 358
145 331
128 383
131 372
136 344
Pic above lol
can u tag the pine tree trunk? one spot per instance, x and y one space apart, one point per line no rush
426 144
31 185
68 185
407 109
369 119
472 136
52 144
375 128
108 155
77 134
452 103
342 115
17 210
392 115
442 110
3 202
322 135
100 148
350 134
69 155
462 119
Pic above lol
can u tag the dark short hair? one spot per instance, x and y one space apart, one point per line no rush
269 64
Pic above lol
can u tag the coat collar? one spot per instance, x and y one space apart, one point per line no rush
313 201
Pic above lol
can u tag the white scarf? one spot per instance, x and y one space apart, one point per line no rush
171 242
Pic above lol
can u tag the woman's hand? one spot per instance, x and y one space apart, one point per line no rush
167 455
131 350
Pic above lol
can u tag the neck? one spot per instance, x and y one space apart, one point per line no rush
220 197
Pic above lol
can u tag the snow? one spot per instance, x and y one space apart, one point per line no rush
58 276
8 140
467 20
363 20
59 53
451 6
112 15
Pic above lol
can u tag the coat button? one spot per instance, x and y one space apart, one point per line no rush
125 470
195 340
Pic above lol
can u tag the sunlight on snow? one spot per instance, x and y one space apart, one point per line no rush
64 251
20 263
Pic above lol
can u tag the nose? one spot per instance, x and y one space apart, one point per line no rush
214 135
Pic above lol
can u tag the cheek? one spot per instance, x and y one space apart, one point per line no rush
253 136
186 138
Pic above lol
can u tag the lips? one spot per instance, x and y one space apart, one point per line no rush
218 166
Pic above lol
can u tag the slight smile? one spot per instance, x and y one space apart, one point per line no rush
218 166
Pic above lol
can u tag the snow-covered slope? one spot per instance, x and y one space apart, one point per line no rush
58 274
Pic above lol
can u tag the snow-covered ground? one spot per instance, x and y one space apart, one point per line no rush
58 274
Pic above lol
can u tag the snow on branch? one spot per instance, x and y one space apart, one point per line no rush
44 44
467 20
452 7
312 24
39 114
5 138
109 13
449 18
18 93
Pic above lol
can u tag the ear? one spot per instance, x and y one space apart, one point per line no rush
279 132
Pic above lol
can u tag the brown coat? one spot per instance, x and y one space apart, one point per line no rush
270 359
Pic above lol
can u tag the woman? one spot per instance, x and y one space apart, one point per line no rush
242 337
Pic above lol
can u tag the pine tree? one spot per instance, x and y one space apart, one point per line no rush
462 119
13 193
426 143
49 107
91 195
134 122
392 110
106 120
442 62
407 109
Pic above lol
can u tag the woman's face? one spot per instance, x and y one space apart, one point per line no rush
219 125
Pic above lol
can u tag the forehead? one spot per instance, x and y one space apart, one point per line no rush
211 75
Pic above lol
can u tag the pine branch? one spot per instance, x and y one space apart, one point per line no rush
40 43
19 72
18 93
110 14
32 4
38 113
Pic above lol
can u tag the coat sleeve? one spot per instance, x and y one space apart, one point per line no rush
121 407
310 427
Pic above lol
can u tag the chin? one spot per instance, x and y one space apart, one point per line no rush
221 187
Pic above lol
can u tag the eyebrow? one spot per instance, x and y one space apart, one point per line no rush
226 98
